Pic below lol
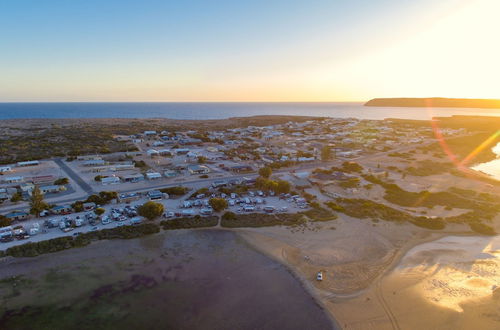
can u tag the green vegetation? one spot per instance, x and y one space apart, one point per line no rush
278 186
202 159
4 221
37 203
265 172
61 181
463 146
151 210
33 249
261 220
326 153
218 204
99 211
317 213
429 167
104 197
186 223
363 209
350 183
175 191
482 229
40 143
16 197
98 178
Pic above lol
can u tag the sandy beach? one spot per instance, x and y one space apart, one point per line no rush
384 275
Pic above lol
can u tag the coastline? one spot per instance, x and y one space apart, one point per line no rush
345 308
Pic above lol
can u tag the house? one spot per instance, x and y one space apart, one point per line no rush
133 177
198 169
110 180
305 159
181 151
153 176
165 152
149 133
28 163
12 179
152 152
4 195
17 216
62 209
94 162
5 169
154 195
158 144
43 179
88 157
49 189
170 173
123 167
241 168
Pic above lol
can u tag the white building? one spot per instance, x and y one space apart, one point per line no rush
153 176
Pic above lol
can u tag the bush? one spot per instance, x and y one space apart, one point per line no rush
151 210
33 249
218 204
229 216
175 191
61 181
262 220
482 229
99 211
185 223
319 214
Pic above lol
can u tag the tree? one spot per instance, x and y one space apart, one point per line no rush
4 221
283 187
37 204
151 210
16 197
98 178
202 159
326 153
61 181
265 172
218 204
99 211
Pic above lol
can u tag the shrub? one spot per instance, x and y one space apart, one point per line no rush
262 220
151 210
185 223
218 204
482 229
61 181
175 191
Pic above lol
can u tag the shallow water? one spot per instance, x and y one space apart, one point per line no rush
179 280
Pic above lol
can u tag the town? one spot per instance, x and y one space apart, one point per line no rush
283 168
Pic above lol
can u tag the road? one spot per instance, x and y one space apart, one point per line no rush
75 177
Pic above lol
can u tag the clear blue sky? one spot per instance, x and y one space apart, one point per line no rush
203 50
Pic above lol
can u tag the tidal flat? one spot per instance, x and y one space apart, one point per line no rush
204 279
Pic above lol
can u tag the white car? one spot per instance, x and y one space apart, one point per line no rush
319 276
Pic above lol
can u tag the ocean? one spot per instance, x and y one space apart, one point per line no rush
210 110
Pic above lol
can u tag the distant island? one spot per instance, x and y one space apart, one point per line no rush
434 102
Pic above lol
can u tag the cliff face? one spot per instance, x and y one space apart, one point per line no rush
435 102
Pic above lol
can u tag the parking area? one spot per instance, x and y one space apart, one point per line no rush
125 213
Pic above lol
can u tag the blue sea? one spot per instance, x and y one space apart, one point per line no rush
212 110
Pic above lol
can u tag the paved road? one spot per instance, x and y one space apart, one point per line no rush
75 177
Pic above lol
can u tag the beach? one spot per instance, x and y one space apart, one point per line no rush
387 276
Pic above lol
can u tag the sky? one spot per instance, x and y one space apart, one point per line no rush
260 50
